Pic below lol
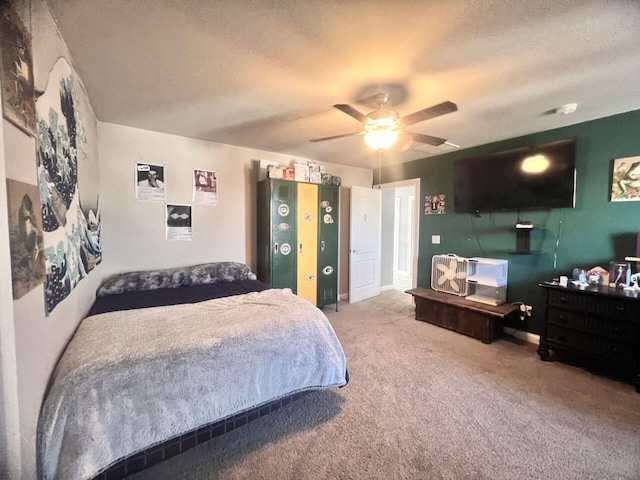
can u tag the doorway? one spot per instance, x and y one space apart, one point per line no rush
400 233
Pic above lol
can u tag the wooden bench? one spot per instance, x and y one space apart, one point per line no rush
475 319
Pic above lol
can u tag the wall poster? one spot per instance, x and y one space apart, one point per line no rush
625 183
205 187
434 204
18 101
25 237
179 222
149 183
71 218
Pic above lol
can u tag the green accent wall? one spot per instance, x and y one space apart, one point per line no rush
595 232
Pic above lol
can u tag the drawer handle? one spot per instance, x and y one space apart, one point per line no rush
564 298
562 318
619 308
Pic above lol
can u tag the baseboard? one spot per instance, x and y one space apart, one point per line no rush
344 296
522 335
386 287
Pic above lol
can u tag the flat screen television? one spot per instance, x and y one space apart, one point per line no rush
529 178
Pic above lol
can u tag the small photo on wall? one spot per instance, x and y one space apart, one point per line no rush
434 204
18 100
149 180
205 187
625 179
25 237
179 222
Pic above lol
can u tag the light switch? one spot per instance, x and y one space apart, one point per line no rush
435 239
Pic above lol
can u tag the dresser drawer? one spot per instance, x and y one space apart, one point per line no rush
576 301
600 347
624 310
624 331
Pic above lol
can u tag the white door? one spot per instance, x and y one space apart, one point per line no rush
364 243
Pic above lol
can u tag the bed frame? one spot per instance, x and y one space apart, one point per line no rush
152 456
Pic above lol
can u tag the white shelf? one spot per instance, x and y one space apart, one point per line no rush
485 300
487 280
490 281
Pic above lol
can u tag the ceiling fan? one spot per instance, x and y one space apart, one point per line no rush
382 127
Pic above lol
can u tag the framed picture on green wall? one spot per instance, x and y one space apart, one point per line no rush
434 204
625 179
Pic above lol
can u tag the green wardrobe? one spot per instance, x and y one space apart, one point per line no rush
298 238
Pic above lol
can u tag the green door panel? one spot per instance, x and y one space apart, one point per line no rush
328 239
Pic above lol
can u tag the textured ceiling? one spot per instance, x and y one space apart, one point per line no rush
264 74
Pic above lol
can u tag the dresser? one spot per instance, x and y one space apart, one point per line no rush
598 325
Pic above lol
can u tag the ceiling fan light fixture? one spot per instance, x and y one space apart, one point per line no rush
381 139
381 131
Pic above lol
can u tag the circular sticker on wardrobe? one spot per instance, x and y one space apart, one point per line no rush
283 209
285 249
328 270
311 278
329 209
324 204
327 218
283 226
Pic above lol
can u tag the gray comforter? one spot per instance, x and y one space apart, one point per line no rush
132 379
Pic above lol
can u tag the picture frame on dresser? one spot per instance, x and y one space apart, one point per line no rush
619 274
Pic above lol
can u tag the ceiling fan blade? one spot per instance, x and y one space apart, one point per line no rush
427 113
349 110
335 136
428 139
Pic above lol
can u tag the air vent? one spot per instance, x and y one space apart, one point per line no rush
425 148
283 192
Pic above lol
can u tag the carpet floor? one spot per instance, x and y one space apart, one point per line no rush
427 403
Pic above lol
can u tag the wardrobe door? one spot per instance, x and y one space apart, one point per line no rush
307 248
277 233
328 237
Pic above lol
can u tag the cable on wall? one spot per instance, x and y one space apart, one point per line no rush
475 233
555 250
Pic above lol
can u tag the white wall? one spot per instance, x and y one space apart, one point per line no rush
404 239
133 232
9 412
387 239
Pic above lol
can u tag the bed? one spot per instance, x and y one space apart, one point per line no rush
173 355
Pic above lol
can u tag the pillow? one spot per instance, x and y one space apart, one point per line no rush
175 277
220 272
